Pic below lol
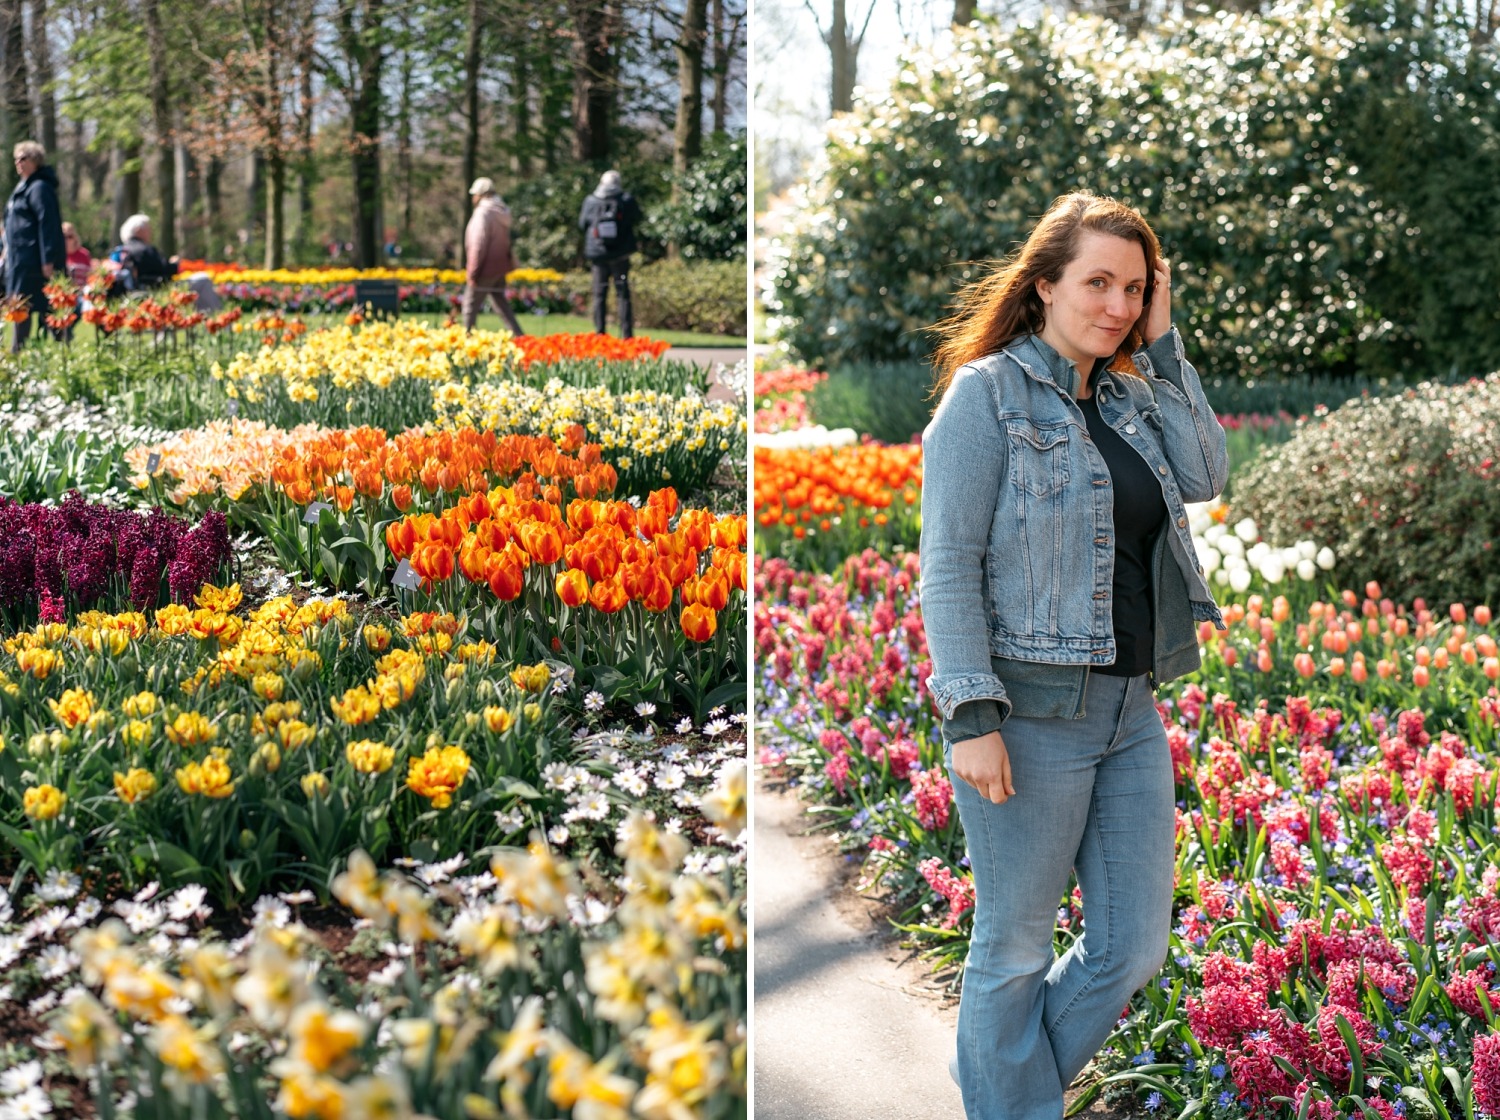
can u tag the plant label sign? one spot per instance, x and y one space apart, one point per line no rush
406 577
232 408
314 512
153 461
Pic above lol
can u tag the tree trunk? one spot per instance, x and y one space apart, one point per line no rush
843 59
213 206
688 137
74 185
15 112
127 169
471 97
189 220
165 225
255 201
366 56
275 207
725 36
41 52
555 100
403 140
963 12
307 170
592 74
520 114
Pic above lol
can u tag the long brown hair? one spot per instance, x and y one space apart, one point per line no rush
1004 305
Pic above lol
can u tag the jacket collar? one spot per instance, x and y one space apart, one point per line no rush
1044 363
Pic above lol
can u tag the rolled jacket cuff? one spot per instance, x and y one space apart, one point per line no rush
950 692
974 719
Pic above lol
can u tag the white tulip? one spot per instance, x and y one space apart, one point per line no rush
1214 532
1326 559
1209 558
1221 577
1306 550
1239 579
1246 530
1272 570
1306 569
1230 545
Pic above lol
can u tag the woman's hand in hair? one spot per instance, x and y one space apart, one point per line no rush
1159 311
985 764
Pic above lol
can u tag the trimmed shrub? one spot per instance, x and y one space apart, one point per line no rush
1325 181
707 296
1404 488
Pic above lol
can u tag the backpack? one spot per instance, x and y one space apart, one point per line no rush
607 223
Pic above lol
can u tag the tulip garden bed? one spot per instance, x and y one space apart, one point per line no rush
364 761
1338 868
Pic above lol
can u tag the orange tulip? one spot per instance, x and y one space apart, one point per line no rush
401 498
699 622
507 578
1421 676
658 596
572 587
400 538
542 541
608 596
474 561
1482 615
433 561
1304 665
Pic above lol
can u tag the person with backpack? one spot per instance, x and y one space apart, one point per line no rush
34 246
488 258
608 220
141 264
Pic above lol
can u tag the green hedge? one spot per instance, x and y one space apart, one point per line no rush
707 296
1326 182
1404 488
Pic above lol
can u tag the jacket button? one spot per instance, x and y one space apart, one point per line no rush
1182 522
1161 470
1130 429
1101 594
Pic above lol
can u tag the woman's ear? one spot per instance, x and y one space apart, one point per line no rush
1044 290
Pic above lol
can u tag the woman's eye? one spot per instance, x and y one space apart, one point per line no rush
1096 282
1134 289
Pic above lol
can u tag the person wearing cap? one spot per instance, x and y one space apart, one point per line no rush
608 221
487 256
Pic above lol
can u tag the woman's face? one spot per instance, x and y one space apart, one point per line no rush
1098 298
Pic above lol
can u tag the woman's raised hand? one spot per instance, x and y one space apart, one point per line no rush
1159 312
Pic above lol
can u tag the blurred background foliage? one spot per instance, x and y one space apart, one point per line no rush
1325 179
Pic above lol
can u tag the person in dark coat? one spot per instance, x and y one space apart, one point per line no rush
34 246
141 263
608 220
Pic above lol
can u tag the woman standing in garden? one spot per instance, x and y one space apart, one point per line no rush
1059 588
34 247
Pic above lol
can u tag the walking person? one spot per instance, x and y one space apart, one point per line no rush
1059 587
34 246
608 219
488 259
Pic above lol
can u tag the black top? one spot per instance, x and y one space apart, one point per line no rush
1139 513
151 268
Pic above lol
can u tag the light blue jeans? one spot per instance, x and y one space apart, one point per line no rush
1093 796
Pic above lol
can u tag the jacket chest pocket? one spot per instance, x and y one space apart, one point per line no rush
1038 457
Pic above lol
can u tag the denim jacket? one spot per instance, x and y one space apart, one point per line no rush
1018 524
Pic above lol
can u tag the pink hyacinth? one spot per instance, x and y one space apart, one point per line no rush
934 794
1487 1074
958 892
